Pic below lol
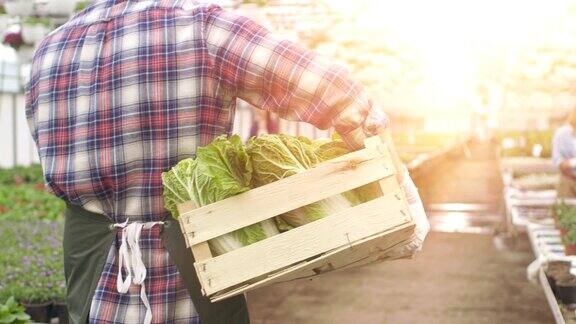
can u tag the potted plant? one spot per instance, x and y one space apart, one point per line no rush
58 289
34 29
33 271
569 241
13 313
566 217
39 312
61 311
19 7
556 270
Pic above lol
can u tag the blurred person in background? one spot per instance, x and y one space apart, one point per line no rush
125 90
564 157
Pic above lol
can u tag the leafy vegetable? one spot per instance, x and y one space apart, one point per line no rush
221 170
13 313
275 157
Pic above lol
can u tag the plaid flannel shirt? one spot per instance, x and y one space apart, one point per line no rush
126 89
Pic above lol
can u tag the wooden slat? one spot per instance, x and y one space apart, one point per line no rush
182 208
327 179
201 251
360 251
277 252
390 183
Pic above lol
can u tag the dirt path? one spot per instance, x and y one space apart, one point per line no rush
458 277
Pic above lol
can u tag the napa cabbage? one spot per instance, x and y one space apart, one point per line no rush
275 157
220 170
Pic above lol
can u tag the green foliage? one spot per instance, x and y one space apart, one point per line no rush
81 5
275 157
32 261
260 3
13 313
19 175
566 216
525 141
221 169
28 202
32 20
2 10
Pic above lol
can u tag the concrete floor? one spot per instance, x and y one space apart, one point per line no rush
457 278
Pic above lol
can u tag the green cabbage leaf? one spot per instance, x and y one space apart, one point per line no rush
221 170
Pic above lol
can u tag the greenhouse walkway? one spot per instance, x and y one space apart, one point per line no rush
459 277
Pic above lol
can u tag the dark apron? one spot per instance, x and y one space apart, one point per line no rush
87 241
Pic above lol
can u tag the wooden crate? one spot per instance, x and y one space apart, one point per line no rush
355 236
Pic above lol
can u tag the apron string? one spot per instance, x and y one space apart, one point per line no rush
130 258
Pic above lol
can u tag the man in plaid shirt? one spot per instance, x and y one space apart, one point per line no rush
125 90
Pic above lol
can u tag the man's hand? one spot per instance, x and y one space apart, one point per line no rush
566 169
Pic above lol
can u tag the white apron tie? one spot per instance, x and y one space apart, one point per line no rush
130 257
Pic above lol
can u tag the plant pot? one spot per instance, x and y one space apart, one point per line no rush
566 287
39 312
19 7
556 270
569 249
61 311
553 286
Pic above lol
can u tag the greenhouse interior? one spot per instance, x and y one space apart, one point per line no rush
372 161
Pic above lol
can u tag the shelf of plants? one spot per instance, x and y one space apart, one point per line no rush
556 276
528 175
31 227
529 180
530 199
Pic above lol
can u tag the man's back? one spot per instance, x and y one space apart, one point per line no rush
118 95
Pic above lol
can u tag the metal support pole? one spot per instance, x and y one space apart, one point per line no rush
14 129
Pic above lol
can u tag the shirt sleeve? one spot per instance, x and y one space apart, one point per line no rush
561 146
280 76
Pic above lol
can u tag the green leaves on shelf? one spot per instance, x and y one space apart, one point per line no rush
566 217
32 268
13 313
